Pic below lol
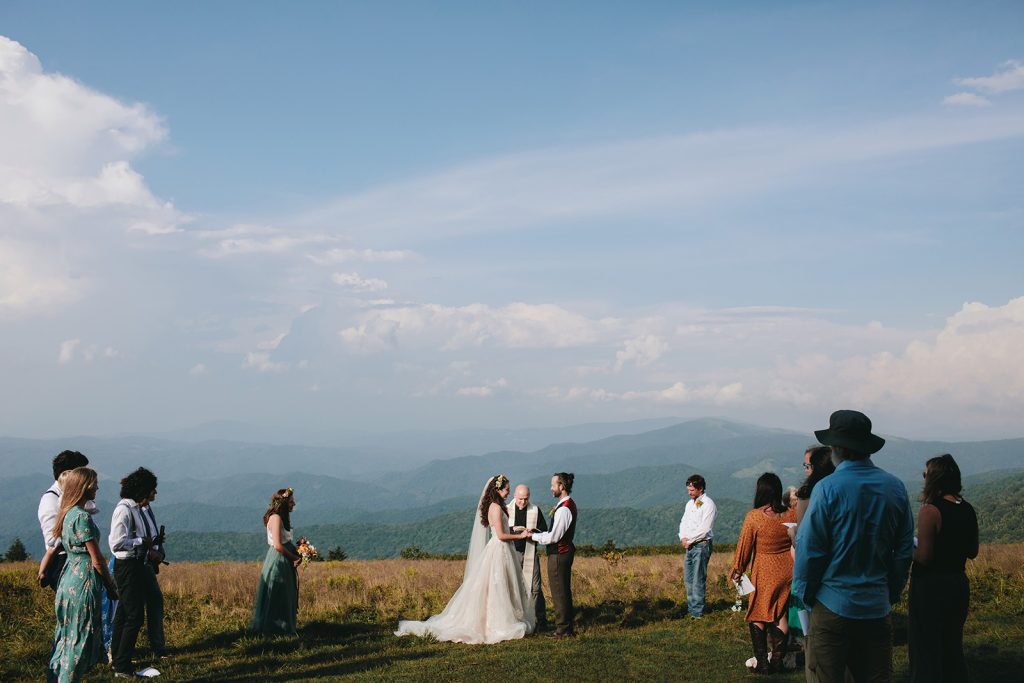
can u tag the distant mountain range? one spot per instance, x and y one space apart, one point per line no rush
627 482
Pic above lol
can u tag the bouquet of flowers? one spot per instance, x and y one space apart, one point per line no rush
307 551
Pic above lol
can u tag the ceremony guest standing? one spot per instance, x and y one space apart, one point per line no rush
54 555
130 544
560 552
277 596
78 637
154 595
853 553
695 534
947 533
764 546
525 516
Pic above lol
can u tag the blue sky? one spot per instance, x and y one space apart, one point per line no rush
386 216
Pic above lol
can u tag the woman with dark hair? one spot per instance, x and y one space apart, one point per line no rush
817 465
764 546
947 535
78 638
492 604
277 595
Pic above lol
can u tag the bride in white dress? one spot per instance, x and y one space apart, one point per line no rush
492 604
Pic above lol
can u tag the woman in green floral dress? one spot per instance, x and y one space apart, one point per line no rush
277 595
78 638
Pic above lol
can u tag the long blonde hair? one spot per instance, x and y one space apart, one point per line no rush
75 483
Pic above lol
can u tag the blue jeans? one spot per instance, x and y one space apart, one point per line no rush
695 572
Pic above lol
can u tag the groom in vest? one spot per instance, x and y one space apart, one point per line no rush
560 553
524 515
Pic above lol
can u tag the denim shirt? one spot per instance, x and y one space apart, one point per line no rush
855 543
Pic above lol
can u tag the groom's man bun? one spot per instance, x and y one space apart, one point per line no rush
566 479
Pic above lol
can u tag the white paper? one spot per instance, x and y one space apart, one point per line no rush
148 672
789 524
744 586
805 621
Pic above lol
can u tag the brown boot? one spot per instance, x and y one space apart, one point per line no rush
779 647
759 641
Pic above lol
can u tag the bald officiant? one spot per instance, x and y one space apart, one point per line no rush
525 515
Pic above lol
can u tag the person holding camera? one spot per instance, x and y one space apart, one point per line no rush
131 543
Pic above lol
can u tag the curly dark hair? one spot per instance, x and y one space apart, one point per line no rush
68 460
821 467
279 506
491 495
769 492
138 484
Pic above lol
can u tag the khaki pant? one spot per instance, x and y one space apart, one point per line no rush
835 644
536 594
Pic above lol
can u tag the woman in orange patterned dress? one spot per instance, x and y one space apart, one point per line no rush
764 546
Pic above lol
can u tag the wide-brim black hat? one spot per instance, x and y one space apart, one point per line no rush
850 429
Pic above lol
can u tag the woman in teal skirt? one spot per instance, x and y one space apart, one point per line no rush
277 595
78 638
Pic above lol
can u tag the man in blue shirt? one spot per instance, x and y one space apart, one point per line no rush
853 552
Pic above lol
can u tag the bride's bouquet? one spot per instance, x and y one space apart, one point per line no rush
307 551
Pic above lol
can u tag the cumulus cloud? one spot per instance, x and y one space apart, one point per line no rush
261 362
67 351
356 283
1009 76
967 99
518 325
642 350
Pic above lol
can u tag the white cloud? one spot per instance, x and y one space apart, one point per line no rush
31 280
967 99
518 325
244 240
634 177
483 391
1010 76
356 283
642 350
67 351
336 256
198 370
261 362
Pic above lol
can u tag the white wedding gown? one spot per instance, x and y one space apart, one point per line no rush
492 603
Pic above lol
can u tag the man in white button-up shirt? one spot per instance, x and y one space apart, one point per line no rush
49 508
695 534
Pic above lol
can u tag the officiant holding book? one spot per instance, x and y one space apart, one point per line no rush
524 515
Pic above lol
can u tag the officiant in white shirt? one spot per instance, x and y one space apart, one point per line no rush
524 515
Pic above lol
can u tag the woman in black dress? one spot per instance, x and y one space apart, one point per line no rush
947 533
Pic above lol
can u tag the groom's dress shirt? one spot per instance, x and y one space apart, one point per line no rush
126 530
698 520
559 525
49 508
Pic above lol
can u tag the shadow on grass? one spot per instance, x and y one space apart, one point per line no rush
637 613
320 649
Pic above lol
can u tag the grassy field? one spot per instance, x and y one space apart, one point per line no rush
630 619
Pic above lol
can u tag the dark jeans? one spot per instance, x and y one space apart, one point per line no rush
560 582
835 644
154 611
935 636
695 573
133 587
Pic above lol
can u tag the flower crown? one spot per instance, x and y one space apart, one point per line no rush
282 496
500 482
